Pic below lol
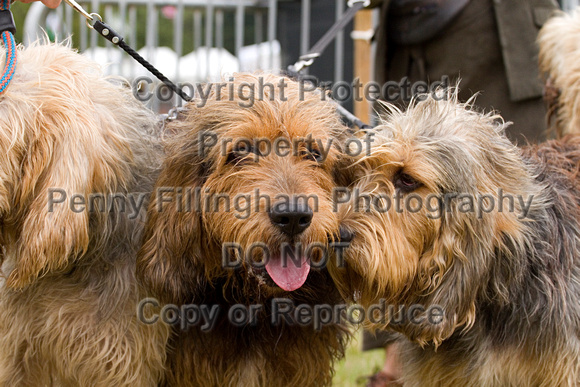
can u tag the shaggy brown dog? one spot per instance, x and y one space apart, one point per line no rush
506 280
69 295
560 60
261 156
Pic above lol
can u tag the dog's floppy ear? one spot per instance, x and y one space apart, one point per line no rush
448 271
60 157
50 234
457 265
174 238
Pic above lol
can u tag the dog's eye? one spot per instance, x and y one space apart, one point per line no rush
240 153
312 155
406 183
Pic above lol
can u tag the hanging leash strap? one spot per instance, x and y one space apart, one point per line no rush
8 29
351 118
112 36
348 116
95 22
316 50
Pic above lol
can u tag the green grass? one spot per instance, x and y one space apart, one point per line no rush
19 12
352 370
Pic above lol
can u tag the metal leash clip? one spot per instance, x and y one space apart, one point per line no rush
91 17
305 61
365 3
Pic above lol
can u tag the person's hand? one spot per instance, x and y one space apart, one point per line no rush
48 3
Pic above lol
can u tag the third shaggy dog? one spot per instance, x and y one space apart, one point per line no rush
487 232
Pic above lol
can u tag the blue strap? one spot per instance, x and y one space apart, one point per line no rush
7 28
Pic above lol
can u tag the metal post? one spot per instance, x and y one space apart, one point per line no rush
272 15
68 21
197 27
339 46
133 34
305 30
94 36
208 34
178 43
219 28
258 27
239 26
83 32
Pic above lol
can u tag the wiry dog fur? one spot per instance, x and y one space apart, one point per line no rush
560 61
509 286
69 294
181 258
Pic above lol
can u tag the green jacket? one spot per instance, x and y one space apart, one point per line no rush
518 23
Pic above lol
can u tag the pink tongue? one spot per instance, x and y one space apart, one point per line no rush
286 274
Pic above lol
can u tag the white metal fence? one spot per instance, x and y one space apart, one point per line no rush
203 24
208 59
569 5
209 38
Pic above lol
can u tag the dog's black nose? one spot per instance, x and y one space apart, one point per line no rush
291 218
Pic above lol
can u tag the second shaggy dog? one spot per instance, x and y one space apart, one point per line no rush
251 168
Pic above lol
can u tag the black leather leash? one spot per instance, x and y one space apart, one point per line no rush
95 22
